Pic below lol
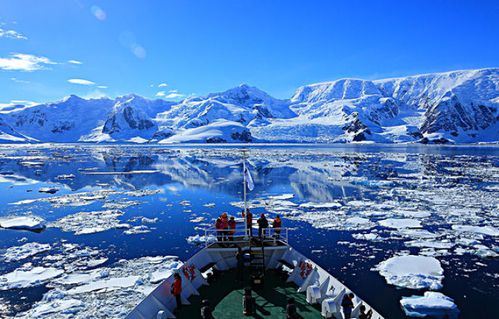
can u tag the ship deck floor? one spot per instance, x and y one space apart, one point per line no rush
225 295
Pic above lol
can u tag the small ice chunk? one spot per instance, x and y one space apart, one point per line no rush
197 219
434 304
146 220
411 271
282 197
197 239
370 236
209 205
400 223
329 205
17 253
48 190
32 223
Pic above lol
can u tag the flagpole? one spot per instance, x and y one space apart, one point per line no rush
244 198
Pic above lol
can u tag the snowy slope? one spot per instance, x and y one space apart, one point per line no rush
458 106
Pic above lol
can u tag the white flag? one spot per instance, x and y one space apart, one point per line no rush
249 179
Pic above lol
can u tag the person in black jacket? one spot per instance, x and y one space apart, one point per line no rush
291 309
347 305
262 224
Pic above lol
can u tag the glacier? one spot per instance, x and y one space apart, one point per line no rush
451 107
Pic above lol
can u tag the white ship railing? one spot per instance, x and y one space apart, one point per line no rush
241 236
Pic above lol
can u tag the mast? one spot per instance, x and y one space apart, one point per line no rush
244 196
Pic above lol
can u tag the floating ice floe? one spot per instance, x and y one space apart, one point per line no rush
485 230
412 271
90 222
18 253
282 197
48 190
329 205
431 304
370 236
209 205
120 173
399 223
198 219
29 277
55 305
201 239
120 205
32 223
141 229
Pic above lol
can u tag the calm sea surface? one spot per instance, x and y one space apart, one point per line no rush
189 186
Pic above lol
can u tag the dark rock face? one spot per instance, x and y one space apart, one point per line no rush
131 118
63 127
111 126
357 128
244 136
139 124
215 140
451 115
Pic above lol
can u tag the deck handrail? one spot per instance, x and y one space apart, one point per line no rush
270 234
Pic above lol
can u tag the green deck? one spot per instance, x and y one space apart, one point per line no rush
225 296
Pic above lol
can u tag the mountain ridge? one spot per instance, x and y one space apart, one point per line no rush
449 107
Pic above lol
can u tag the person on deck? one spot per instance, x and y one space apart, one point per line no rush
262 224
232 228
240 264
365 315
291 309
277 224
249 221
177 290
347 305
225 226
219 229
206 312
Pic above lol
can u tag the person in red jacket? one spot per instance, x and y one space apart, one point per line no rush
232 228
177 290
249 221
277 224
219 228
225 226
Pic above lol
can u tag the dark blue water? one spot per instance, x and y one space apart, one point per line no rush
213 175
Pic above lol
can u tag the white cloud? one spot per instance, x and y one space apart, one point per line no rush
162 85
102 86
174 96
98 13
161 93
24 62
74 62
12 34
20 81
81 82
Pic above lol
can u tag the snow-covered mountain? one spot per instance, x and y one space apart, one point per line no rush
458 106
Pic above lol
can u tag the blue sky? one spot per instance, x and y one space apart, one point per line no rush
50 49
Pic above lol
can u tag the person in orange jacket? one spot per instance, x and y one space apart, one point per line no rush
177 290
